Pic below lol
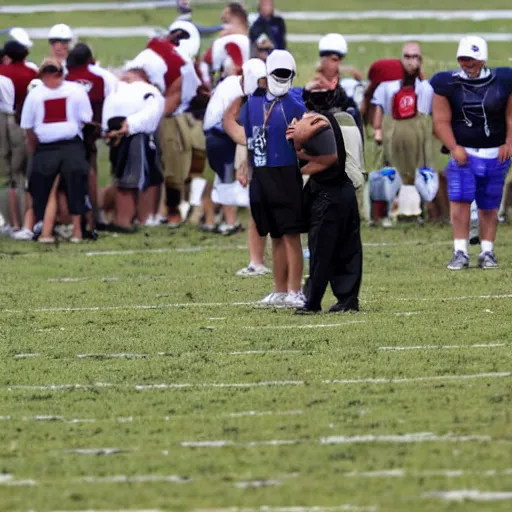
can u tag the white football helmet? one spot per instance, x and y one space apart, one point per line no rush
61 31
333 43
188 48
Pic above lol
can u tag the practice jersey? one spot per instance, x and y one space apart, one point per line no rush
20 75
56 114
236 47
223 96
6 95
385 93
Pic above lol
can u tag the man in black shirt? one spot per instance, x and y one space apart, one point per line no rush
334 238
269 24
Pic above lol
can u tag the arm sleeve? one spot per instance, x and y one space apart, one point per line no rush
322 143
440 85
28 111
234 51
379 96
147 119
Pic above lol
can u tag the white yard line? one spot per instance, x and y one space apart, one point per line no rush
443 347
264 413
122 479
245 385
150 31
429 473
164 250
260 352
9 481
312 508
306 326
94 6
469 495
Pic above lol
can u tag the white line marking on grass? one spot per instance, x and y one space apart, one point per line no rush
112 356
264 413
420 437
117 510
26 356
408 313
261 352
441 15
96 451
469 495
244 385
463 297
405 380
307 326
164 250
446 473
256 484
122 479
444 347
312 508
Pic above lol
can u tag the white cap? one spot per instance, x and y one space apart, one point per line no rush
188 48
280 59
20 35
474 47
61 31
253 70
333 43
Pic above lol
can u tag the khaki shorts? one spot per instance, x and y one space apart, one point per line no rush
13 151
175 136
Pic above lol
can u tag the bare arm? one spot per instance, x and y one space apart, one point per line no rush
352 71
442 118
506 149
378 116
509 120
230 123
317 164
173 97
31 140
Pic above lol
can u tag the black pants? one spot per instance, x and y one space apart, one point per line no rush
334 239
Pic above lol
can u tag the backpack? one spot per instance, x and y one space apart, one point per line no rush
405 103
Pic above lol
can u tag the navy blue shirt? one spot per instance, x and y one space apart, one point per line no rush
268 145
478 106
275 29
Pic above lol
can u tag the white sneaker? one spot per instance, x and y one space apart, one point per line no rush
6 231
23 234
151 222
387 222
274 299
253 270
295 300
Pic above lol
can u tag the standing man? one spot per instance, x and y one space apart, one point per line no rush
13 149
334 239
53 115
269 25
473 118
98 83
60 38
275 191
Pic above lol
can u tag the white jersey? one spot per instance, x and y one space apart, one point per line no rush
56 114
223 96
385 92
141 103
6 95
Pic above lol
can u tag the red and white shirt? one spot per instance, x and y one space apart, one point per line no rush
97 82
161 62
236 47
56 114
20 75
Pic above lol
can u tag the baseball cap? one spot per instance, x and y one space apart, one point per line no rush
474 47
21 36
280 59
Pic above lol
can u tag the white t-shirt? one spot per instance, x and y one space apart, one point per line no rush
223 96
110 80
6 95
233 45
141 103
385 92
154 66
56 114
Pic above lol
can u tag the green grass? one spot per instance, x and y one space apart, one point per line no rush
408 277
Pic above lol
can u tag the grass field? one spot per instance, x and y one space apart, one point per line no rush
144 351
136 373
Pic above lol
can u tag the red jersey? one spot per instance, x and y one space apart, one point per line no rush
20 75
173 61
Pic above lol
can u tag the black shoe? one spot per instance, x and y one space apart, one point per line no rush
343 307
90 235
306 311
474 240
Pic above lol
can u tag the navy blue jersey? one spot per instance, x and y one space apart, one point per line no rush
478 106
267 143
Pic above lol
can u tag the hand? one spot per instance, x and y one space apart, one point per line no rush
242 174
290 131
377 135
505 152
459 154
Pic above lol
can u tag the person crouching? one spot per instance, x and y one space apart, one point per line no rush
131 115
53 116
334 238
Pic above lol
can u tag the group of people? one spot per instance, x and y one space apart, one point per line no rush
293 155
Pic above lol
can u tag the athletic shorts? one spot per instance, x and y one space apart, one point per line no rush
220 150
67 160
275 195
481 179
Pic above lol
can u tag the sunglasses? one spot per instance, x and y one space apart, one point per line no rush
51 69
53 41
